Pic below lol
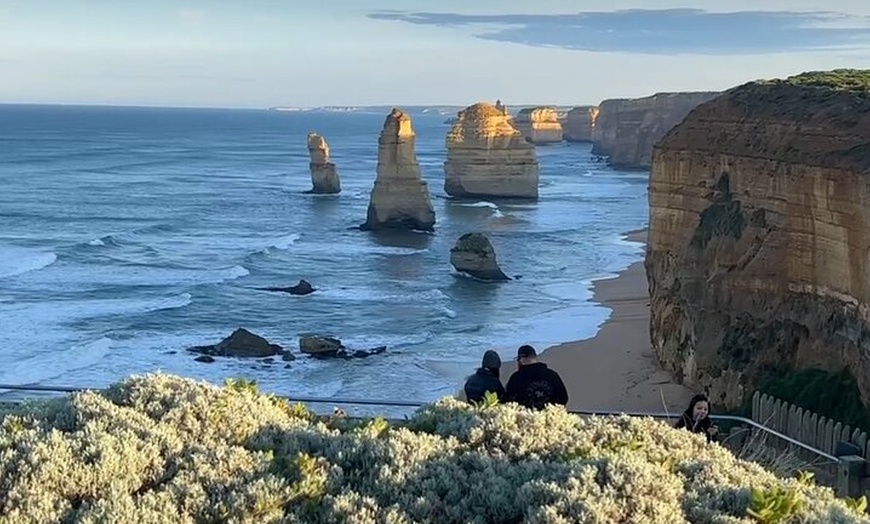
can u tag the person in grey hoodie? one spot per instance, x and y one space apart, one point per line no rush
485 379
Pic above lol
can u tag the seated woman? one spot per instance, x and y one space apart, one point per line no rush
485 379
696 418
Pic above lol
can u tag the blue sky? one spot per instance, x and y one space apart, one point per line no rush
351 52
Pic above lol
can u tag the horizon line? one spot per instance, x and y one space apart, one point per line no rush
274 107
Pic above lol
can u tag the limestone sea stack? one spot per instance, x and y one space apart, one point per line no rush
759 236
579 123
488 157
400 196
539 125
626 129
324 176
474 255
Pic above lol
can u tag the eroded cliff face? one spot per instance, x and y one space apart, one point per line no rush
324 175
488 157
539 125
579 123
759 238
400 197
627 128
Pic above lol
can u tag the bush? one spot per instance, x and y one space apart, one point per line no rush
161 449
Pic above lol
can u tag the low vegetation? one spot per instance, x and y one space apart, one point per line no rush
834 395
840 79
161 449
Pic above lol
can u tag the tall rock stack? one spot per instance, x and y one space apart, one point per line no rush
488 157
324 176
759 234
539 125
579 123
400 196
627 128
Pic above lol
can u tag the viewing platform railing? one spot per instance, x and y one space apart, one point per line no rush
850 470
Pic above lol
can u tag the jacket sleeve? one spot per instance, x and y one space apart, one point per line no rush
510 393
500 392
681 422
561 393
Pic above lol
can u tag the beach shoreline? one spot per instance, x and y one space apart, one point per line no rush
617 369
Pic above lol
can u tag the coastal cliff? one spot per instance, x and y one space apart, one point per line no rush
488 157
626 129
324 175
539 125
579 123
400 196
759 236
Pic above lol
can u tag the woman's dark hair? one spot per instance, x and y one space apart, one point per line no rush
697 398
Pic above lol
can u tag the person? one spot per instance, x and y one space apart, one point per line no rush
533 384
485 379
696 418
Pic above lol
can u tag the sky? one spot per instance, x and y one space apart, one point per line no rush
262 53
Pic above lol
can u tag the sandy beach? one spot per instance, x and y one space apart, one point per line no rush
616 370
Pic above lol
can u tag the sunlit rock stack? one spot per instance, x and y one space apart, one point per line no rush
488 157
579 123
539 125
400 196
324 176
759 236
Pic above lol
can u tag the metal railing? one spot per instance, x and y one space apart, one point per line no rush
417 404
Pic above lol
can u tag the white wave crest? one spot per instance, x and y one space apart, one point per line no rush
16 261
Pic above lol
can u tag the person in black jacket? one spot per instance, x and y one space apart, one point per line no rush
485 379
533 384
696 418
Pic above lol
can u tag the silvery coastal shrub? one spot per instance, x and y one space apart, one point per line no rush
160 449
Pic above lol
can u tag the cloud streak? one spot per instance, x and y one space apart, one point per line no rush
661 32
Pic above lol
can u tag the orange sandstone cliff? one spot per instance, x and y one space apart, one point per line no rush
579 123
539 125
488 157
627 128
759 239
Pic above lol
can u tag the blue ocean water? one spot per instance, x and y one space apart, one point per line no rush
129 234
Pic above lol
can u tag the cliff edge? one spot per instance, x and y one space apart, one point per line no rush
759 235
626 129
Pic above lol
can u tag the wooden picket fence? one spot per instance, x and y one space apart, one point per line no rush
805 426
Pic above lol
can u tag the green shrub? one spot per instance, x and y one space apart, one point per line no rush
161 449
840 79
835 396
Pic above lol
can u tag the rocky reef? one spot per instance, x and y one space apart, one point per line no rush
579 123
539 125
400 196
760 233
488 157
474 255
324 175
626 129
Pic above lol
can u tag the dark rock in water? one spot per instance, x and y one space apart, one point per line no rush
242 344
302 288
269 360
328 347
474 255
288 357
204 358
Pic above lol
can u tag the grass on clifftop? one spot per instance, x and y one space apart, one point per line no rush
839 79
161 449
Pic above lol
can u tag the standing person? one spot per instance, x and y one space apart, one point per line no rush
485 379
696 418
533 384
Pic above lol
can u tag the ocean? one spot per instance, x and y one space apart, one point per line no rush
130 234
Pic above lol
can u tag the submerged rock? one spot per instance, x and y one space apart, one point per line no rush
302 288
328 347
473 254
241 344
